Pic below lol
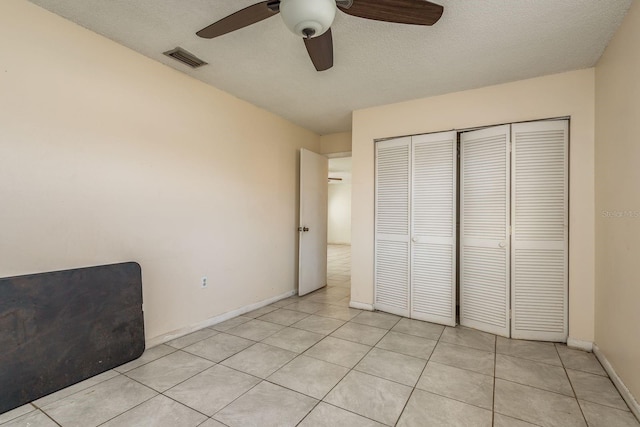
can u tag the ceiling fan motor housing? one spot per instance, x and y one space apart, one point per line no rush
308 18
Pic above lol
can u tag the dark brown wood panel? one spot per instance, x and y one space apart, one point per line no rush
59 328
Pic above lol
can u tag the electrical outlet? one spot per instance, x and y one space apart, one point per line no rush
203 282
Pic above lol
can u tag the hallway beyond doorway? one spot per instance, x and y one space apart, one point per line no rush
339 266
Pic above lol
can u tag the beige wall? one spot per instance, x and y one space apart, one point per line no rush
618 201
107 156
339 214
567 94
335 143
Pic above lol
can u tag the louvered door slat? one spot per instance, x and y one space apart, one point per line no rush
484 230
540 235
433 228
392 252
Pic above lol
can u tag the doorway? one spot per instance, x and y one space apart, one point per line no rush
339 223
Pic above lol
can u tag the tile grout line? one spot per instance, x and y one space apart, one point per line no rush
605 406
495 363
318 400
350 370
342 409
181 382
456 367
530 360
464 369
146 363
162 393
420 376
321 400
347 373
50 417
571 384
339 381
279 385
230 403
537 388
35 405
135 406
266 379
35 408
495 378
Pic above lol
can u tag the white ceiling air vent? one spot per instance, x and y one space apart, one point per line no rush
179 54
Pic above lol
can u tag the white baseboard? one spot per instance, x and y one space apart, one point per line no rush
214 320
617 381
361 305
580 344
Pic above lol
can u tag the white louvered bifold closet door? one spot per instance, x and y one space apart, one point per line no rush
484 229
392 251
433 231
540 230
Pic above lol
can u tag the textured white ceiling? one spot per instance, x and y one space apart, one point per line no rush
475 43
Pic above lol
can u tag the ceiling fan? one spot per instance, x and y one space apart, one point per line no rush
312 19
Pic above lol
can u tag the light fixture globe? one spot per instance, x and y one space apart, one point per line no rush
308 18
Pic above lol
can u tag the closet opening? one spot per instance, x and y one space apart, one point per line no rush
471 228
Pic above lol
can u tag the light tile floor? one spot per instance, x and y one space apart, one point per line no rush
312 361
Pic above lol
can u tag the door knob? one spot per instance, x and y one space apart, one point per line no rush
415 239
502 244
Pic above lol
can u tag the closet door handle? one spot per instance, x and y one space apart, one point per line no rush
502 244
415 239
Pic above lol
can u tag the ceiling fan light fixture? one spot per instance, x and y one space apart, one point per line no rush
308 18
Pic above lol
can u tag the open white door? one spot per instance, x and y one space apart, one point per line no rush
484 229
312 254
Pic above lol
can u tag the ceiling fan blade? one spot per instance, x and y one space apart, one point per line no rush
321 50
240 19
417 12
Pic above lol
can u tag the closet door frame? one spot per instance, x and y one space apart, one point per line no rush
509 243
